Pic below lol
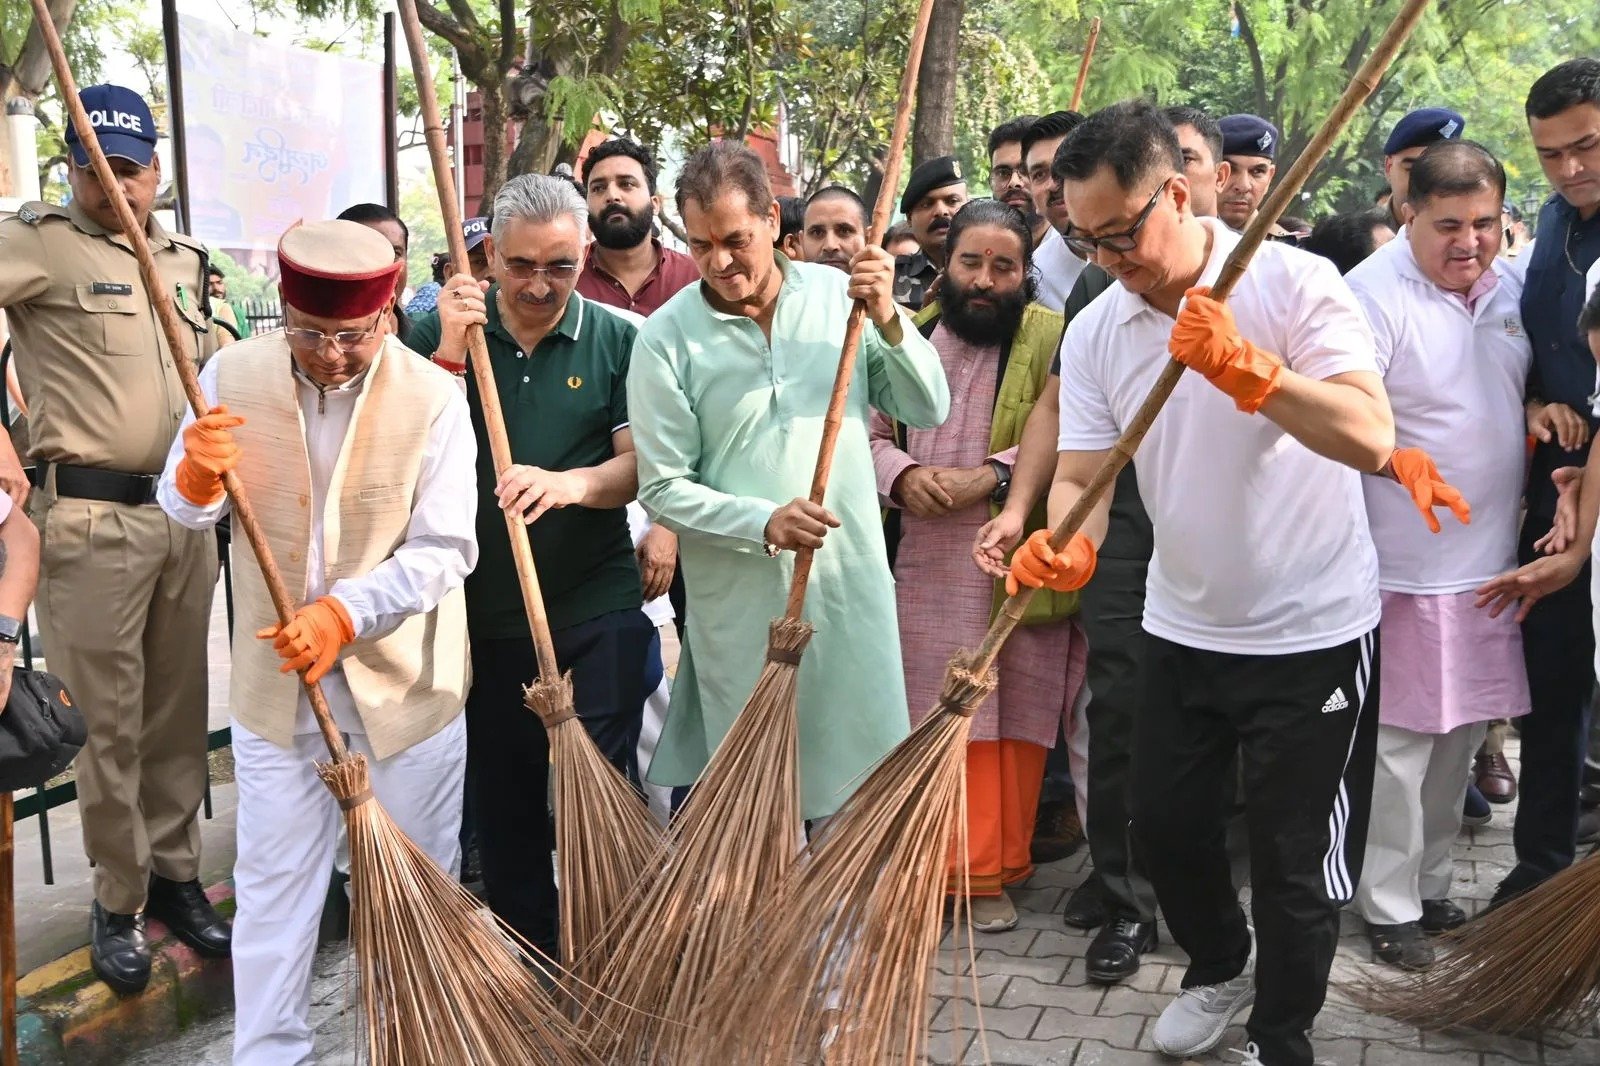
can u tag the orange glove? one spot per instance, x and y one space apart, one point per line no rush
1416 473
1205 339
313 637
209 451
1036 565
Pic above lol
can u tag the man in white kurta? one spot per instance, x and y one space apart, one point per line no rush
358 457
1448 323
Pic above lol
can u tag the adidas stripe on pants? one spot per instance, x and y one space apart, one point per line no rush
1304 727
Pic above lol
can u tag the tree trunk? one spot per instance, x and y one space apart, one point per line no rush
934 131
536 147
494 142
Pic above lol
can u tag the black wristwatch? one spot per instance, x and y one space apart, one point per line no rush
1002 483
10 629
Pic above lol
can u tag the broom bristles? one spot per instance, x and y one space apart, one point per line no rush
605 837
836 964
725 852
441 980
1532 963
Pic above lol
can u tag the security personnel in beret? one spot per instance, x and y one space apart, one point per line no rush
1250 145
934 193
124 592
1409 138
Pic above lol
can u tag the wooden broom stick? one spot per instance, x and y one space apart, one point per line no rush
8 932
482 371
1361 86
179 337
1083 66
856 324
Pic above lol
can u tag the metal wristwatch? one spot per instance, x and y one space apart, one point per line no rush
10 629
1002 484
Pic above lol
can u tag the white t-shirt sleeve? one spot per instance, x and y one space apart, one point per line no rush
1383 334
1327 332
1087 422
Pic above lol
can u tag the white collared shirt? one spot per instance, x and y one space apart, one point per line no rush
1455 378
441 545
1261 545
1058 270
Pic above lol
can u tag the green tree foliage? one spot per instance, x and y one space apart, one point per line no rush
1288 60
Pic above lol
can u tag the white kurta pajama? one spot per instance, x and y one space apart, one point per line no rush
288 822
1454 368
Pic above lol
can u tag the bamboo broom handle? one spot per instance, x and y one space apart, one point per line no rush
175 331
482 372
1083 66
1361 86
856 323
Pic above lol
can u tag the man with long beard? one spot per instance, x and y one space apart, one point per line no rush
995 343
627 266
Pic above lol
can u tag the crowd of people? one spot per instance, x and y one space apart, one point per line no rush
1375 481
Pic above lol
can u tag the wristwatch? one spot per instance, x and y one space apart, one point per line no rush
10 629
1002 483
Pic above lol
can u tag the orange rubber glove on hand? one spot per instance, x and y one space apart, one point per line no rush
1036 565
313 637
209 451
1414 469
1206 340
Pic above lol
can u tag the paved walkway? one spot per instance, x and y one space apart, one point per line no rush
1038 1007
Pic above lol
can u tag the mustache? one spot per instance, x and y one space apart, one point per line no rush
537 301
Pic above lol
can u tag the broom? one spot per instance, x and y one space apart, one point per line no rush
605 837
439 982
740 829
837 961
1530 964
1083 65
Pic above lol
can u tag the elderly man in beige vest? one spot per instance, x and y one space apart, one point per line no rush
359 459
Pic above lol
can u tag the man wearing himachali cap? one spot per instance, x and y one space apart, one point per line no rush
124 594
359 458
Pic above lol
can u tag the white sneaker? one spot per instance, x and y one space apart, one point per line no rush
1194 1023
1249 1055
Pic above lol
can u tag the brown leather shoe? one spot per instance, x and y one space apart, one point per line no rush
1494 778
1057 833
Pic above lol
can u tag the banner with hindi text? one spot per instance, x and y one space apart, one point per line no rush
273 134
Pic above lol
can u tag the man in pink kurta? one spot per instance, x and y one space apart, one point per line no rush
944 480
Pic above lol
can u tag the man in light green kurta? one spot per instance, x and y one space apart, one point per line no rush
727 389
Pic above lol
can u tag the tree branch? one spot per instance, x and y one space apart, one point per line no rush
1258 70
457 36
508 34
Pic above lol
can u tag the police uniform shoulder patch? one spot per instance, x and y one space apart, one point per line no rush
35 211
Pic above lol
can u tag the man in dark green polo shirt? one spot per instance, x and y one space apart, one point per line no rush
560 364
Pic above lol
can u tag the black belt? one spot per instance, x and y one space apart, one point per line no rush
92 483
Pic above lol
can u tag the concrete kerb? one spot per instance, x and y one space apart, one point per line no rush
67 1015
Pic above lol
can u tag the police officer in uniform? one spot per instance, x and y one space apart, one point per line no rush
934 193
124 592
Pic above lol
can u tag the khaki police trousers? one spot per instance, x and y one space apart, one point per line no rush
125 609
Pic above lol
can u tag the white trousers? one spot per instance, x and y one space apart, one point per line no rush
1077 737
288 825
659 797
1417 791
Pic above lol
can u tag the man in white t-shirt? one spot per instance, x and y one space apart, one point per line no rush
1262 600
1447 318
1057 266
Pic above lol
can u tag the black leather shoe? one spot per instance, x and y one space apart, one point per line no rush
182 907
1114 952
118 950
1441 916
1400 945
1086 907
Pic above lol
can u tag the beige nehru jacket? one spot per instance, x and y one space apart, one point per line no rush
410 683
92 360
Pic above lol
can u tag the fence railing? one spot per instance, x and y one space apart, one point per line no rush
38 803
264 316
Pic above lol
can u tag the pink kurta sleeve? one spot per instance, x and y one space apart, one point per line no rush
888 461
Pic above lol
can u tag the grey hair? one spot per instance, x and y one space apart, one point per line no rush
537 198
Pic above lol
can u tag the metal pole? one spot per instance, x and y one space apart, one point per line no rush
458 118
21 126
180 139
391 132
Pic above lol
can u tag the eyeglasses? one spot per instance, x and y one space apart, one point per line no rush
528 271
347 341
1002 174
1118 242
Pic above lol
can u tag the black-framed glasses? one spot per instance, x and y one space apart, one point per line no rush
521 271
347 341
1118 242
